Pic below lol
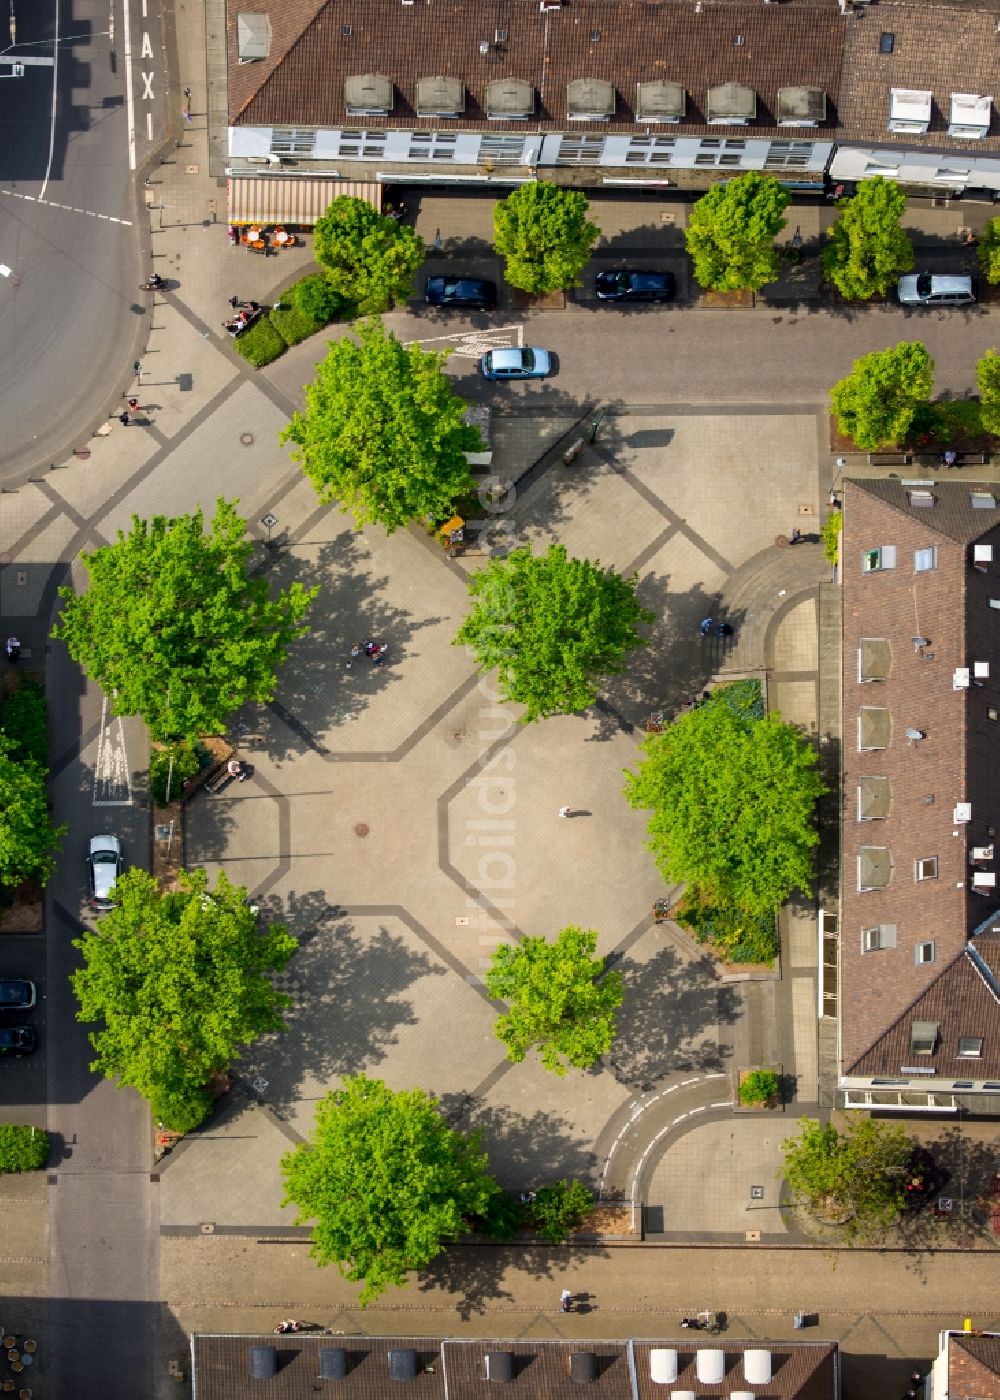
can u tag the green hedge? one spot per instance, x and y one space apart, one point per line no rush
293 324
760 1086
22 1149
308 305
22 719
260 344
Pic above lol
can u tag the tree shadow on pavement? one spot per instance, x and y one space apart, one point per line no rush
348 995
964 1172
524 1150
316 691
474 1277
669 1020
676 665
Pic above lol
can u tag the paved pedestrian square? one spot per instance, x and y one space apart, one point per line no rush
404 825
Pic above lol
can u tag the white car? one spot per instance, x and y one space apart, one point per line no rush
104 862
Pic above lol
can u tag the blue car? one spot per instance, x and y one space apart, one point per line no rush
515 364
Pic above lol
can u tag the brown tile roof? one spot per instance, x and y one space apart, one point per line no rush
936 48
973 1368
541 1369
222 1367
956 761
796 44
963 1000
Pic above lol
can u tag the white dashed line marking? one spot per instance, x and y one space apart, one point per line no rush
69 208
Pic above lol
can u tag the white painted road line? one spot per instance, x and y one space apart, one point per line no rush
112 777
55 94
129 94
69 208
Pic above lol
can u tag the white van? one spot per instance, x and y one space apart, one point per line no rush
936 289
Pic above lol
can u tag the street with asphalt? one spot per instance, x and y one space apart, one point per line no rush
369 826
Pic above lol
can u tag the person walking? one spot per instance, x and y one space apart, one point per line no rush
706 626
123 419
234 301
355 653
565 811
13 648
724 629
566 1300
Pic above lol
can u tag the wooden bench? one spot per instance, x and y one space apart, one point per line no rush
889 459
218 779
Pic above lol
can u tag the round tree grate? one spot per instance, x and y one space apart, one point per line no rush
246 439
361 829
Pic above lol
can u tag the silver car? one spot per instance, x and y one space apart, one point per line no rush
104 862
936 289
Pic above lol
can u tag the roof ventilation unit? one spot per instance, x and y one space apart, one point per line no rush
263 1363
663 1365
332 1363
757 1366
710 1365
500 1366
582 1367
961 678
741 1395
402 1363
962 812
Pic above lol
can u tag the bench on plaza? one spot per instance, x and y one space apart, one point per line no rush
962 459
889 459
219 779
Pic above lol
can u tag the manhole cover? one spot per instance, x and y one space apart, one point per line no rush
457 734
246 439
361 829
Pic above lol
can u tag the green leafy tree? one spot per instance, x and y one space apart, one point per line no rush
182 983
387 1182
317 298
868 248
731 232
555 627
560 1208
733 805
369 258
875 404
22 1149
989 250
561 1000
28 840
382 433
988 377
174 627
543 232
857 1177
23 719
759 1087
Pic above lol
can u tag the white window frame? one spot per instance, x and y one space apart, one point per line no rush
926 869
925 953
878 558
925 559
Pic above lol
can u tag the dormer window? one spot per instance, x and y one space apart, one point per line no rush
801 106
660 102
440 97
970 116
369 95
731 104
909 111
590 100
509 100
923 1037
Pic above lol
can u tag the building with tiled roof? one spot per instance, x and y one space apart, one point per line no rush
367 1368
918 95
967 1367
620 93
919 972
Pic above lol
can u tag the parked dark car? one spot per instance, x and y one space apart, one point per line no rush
17 1040
16 994
627 285
470 292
